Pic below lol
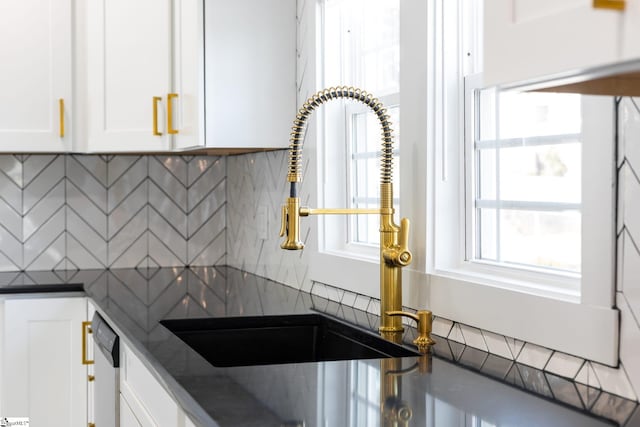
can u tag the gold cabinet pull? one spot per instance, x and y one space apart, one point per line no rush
609 4
86 330
61 112
156 99
170 129
91 378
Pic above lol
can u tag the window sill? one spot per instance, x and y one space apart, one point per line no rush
558 322
586 331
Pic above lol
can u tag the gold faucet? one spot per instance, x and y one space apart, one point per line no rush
394 239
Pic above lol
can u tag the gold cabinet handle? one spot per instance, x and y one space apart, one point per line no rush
170 129
609 4
86 330
61 112
156 99
91 378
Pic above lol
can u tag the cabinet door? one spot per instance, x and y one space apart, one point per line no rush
35 75
129 63
529 39
43 375
188 77
127 417
250 72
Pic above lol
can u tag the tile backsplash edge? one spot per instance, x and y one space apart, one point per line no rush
578 370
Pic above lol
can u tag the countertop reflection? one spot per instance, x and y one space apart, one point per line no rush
448 388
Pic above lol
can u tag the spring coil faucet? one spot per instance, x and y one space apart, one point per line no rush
394 252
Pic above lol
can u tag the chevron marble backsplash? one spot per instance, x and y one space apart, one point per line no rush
61 212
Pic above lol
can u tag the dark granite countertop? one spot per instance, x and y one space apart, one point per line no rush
453 388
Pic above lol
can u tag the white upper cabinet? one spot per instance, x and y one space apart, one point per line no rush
129 74
545 41
166 75
250 72
36 75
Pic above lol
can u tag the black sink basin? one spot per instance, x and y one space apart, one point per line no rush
267 340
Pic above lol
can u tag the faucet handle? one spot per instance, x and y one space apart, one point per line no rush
399 255
424 320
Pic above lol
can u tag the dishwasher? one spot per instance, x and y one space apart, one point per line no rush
106 388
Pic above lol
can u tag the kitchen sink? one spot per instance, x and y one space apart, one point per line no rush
267 340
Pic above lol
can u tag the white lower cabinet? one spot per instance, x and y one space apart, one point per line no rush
42 375
143 401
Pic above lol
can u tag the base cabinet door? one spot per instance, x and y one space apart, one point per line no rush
43 375
127 417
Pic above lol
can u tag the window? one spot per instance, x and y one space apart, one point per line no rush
526 180
360 49
515 229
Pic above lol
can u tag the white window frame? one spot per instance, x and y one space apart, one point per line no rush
483 295
432 196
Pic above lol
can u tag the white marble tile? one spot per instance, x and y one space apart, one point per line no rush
587 376
86 210
120 242
334 294
534 355
613 380
168 244
374 306
84 258
361 302
131 181
10 220
11 193
169 185
176 165
630 131
48 257
43 210
166 256
631 275
515 346
91 187
117 166
629 341
85 246
564 365
441 326
132 206
473 337
10 251
165 208
42 181
348 299
11 167
632 203
497 344
456 334
319 289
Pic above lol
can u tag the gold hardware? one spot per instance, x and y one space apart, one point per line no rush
61 113
156 99
91 378
170 129
91 425
304 211
394 239
609 4
424 320
290 226
86 329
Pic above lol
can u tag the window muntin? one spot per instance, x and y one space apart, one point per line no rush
526 184
361 48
